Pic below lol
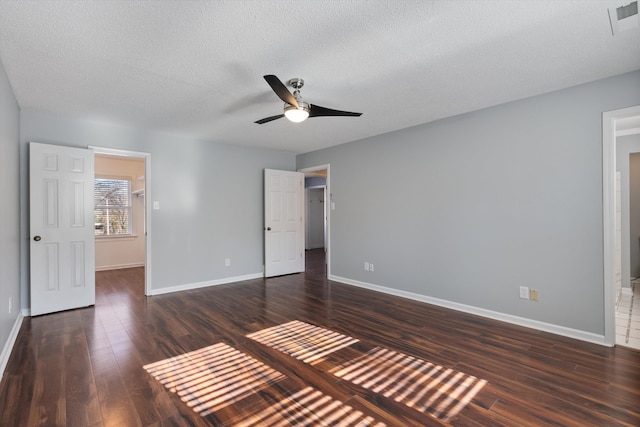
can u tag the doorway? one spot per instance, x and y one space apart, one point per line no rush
627 293
611 122
317 215
124 243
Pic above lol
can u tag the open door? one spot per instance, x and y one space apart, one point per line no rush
61 228
283 222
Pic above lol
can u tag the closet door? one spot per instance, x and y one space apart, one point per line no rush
283 223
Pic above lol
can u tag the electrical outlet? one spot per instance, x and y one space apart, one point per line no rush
366 266
227 262
533 295
370 267
524 292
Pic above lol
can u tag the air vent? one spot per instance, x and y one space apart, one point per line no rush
623 18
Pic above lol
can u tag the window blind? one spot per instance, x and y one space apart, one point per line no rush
112 207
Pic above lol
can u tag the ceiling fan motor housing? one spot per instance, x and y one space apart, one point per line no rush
296 83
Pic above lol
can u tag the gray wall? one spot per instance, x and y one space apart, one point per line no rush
630 257
9 208
469 208
210 194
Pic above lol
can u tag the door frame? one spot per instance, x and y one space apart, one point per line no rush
608 214
147 205
328 205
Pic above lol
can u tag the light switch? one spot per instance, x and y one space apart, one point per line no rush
156 204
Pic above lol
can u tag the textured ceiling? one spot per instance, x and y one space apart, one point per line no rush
195 67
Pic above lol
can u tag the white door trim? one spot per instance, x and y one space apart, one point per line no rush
147 203
328 203
608 214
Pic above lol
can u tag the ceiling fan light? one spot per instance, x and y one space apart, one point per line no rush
297 115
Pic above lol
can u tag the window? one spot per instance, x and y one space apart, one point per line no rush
112 202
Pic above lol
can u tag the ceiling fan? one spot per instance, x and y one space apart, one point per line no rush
295 109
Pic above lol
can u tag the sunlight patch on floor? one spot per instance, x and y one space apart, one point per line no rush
310 407
303 341
213 377
421 385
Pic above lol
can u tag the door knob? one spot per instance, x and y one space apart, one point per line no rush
268 228
37 238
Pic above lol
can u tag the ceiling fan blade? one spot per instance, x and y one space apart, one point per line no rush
269 119
318 111
281 90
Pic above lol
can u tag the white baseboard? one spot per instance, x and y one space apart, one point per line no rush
8 345
119 266
516 320
198 285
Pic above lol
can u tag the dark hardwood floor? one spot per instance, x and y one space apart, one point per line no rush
335 355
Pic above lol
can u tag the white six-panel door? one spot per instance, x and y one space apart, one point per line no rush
283 223
61 228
